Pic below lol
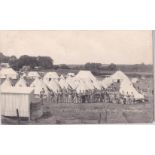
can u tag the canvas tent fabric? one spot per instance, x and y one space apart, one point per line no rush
97 85
119 75
81 89
33 74
38 86
53 86
24 90
50 75
8 73
83 85
87 84
63 84
106 82
84 80
87 81
23 75
85 75
13 99
6 84
70 74
126 88
21 83
62 77
134 80
71 82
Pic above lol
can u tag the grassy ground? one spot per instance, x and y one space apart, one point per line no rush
96 113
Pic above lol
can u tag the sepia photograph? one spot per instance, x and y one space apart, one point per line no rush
76 77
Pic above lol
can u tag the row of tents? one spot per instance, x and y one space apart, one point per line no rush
81 82
11 73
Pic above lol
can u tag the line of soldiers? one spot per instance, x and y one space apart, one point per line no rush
91 96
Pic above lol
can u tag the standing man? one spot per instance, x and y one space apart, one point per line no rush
42 93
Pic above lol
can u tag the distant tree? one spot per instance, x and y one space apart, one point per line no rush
63 66
13 62
26 60
45 62
93 66
56 67
112 67
3 58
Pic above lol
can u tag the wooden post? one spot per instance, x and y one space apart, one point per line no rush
100 115
42 100
18 118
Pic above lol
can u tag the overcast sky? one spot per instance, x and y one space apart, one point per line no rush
79 47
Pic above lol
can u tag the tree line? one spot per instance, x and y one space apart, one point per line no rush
101 69
43 62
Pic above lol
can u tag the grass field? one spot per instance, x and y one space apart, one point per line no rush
96 113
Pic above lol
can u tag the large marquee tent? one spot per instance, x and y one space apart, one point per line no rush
126 86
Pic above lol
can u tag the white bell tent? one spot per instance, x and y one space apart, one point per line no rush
33 75
39 86
6 84
21 83
8 73
50 76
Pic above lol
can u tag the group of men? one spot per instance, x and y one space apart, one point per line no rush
109 95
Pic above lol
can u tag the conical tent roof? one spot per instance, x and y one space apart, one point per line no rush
71 74
21 83
90 82
38 86
53 86
63 84
51 75
71 82
62 77
6 84
119 75
76 82
97 85
134 80
8 73
85 75
89 85
81 88
24 75
106 82
126 88
33 74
